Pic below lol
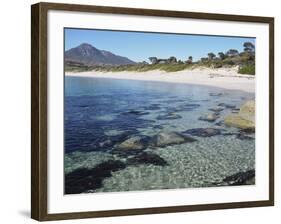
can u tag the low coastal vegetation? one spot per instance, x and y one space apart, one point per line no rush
245 61
140 67
247 69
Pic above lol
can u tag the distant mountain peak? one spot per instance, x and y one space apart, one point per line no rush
87 54
85 45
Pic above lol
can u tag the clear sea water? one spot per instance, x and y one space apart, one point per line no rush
98 109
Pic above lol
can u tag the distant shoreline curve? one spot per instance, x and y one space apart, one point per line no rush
226 78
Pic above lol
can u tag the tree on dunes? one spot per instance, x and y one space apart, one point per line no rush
153 60
204 59
172 60
232 53
249 47
211 56
221 55
189 60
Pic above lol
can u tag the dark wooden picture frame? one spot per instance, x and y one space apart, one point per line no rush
39 195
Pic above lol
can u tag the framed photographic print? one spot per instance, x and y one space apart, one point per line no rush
138 111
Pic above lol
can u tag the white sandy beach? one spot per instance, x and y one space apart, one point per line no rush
227 78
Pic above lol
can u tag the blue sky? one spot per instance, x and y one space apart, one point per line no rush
138 46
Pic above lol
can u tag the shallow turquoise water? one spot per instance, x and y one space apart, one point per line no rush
97 110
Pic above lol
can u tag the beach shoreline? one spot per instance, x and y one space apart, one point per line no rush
226 78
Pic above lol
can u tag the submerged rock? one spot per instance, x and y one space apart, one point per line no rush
83 179
210 117
153 107
188 107
244 137
217 109
226 105
147 158
247 131
158 126
171 138
235 110
229 133
76 160
215 94
110 141
105 144
220 123
239 135
247 111
136 112
238 122
182 107
241 178
134 143
168 116
203 132
245 119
